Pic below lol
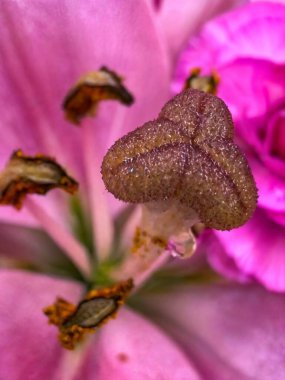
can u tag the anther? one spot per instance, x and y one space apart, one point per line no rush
32 175
98 306
82 100
206 83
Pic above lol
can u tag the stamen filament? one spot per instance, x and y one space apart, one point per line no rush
71 247
101 219
72 361
142 277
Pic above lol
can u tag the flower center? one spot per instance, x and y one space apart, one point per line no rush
182 168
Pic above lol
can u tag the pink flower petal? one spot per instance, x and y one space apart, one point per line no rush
48 45
21 246
277 217
271 189
250 87
233 332
127 348
28 346
243 33
133 348
220 260
257 250
274 144
180 19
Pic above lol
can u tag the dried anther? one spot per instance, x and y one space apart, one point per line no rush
206 83
83 98
32 175
98 306
186 163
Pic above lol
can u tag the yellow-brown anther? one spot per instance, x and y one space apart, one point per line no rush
206 83
185 159
83 98
32 175
144 239
97 307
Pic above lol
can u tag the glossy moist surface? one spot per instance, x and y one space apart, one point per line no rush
187 154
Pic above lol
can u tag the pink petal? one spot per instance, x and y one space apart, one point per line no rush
255 31
220 260
48 45
233 332
133 348
180 19
274 155
29 246
276 135
278 217
261 89
129 347
257 250
271 188
28 346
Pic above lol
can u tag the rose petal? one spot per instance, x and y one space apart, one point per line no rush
258 250
277 217
260 89
271 189
179 20
220 260
28 346
133 348
231 331
255 30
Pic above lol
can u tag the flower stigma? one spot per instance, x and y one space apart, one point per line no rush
183 168
96 308
32 175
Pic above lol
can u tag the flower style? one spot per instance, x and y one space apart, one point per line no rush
62 246
244 47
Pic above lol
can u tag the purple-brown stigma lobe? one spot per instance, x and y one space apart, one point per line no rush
82 100
188 155
32 175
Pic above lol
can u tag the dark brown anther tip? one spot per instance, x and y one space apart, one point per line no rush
25 175
186 155
82 99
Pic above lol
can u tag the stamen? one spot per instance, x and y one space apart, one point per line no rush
102 224
98 306
83 98
206 83
32 175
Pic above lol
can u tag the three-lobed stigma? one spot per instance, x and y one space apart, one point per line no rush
185 159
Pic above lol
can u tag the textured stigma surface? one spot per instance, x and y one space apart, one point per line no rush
186 154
